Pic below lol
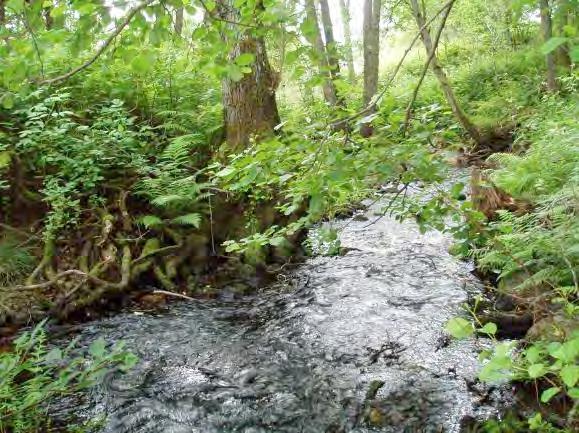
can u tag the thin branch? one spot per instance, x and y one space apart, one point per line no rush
177 295
34 42
370 107
426 66
157 252
390 204
103 48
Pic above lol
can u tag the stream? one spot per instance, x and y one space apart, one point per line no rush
351 343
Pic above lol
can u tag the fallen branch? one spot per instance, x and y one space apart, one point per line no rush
103 47
176 295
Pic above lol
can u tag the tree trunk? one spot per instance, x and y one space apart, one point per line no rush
330 94
441 75
345 13
48 20
249 104
179 20
562 19
2 12
371 48
547 28
331 48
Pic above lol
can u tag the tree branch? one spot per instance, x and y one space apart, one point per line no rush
340 123
426 66
103 48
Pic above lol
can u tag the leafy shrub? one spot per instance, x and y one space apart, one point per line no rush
76 158
32 376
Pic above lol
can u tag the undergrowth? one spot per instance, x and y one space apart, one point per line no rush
34 375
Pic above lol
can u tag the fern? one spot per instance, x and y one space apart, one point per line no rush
192 219
15 261
150 221
543 245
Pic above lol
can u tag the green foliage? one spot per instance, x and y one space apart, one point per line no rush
15 261
32 375
323 241
542 243
173 185
75 159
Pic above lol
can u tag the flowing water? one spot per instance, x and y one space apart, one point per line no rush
352 343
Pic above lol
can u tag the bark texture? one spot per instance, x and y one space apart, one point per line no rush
249 104
547 28
441 74
349 53
48 20
371 48
331 48
328 87
179 20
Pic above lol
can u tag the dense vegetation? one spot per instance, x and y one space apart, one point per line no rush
173 144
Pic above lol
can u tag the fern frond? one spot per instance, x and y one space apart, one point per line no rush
192 219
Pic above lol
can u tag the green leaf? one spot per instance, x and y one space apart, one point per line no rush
143 63
150 221
566 352
570 375
54 355
225 172
574 393
536 421
536 370
8 100
277 241
192 219
97 348
549 393
575 54
16 5
5 159
166 199
235 73
533 354
245 59
489 329
552 44
129 361
459 328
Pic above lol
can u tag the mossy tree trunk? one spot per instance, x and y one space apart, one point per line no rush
547 29
249 103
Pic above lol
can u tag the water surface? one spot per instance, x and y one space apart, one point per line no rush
352 343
